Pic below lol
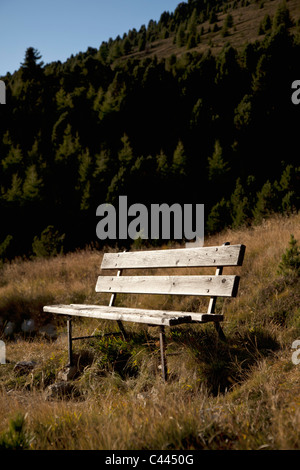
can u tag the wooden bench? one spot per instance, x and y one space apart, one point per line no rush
212 286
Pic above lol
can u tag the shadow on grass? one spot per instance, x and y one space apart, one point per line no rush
222 364
217 364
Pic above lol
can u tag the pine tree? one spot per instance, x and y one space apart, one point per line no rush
32 185
14 160
103 52
265 25
4 248
192 41
192 23
219 216
142 42
267 202
290 261
281 17
125 155
50 243
31 68
102 164
162 164
181 36
127 47
179 164
32 56
120 180
70 145
228 21
240 205
217 167
84 179
14 193
115 51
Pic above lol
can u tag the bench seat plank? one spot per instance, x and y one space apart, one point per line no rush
227 255
223 286
152 317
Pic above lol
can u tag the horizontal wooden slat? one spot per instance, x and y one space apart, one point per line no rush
202 317
138 315
152 317
228 255
224 286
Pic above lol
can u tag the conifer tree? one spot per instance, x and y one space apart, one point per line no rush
14 193
127 47
31 67
181 36
217 167
142 42
267 202
125 155
290 261
32 56
179 160
14 160
281 17
162 164
84 179
192 24
32 185
240 205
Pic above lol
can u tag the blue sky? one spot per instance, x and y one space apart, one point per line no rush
59 28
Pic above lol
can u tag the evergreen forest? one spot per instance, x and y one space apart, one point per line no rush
192 126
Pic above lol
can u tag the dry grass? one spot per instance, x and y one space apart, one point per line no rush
243 394
246 21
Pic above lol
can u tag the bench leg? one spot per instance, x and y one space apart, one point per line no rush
122 329
162 341
69 332
220 331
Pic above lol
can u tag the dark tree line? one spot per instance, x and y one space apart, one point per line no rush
219 130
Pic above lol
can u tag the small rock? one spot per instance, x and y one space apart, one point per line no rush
28 326
68 373
23 367
59 390
9 328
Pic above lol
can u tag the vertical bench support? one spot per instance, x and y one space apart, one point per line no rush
69 333
111 303
212 304
162 341
69 329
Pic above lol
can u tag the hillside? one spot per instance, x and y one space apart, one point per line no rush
194 108
171 107
247 18
243 394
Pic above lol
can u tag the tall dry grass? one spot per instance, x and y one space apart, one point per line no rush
243 394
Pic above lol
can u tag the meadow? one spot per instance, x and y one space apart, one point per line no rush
242 394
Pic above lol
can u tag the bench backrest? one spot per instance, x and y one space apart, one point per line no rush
208 285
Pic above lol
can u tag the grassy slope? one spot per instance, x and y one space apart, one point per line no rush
246 21
241 395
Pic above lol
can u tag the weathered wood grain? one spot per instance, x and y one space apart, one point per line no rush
152 317
223 286
227 255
